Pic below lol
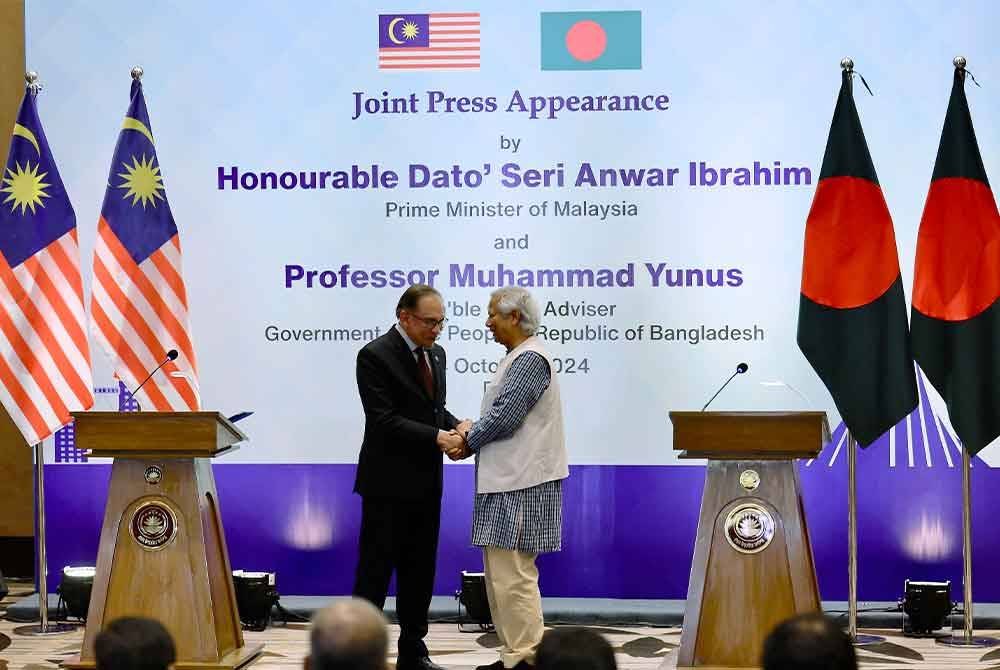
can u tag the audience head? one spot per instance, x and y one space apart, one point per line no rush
808 642
134 643
348 635
574 649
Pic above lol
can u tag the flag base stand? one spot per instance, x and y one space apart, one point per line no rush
861 640
979 641
967 639
38 630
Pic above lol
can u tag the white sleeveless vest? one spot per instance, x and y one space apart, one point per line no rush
536 452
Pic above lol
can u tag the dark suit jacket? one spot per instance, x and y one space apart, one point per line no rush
399 455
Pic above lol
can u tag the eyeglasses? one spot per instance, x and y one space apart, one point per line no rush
429 321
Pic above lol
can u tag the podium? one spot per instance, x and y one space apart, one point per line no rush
753 563
163 551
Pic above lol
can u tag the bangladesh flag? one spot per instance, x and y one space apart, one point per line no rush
956 281
852 314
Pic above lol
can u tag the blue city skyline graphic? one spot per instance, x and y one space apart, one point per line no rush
921 439
65 446
65 438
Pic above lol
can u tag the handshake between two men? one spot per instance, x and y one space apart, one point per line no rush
452 443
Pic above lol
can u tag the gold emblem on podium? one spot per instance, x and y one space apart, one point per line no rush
749 528
153 525
153 474
749 479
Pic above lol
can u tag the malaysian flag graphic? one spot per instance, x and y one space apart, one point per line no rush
44 356
428 41
139 308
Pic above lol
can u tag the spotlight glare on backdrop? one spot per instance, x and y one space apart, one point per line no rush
927 606
74 590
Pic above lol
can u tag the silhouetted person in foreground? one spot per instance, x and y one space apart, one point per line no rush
808 642
348 635
574 649
134 643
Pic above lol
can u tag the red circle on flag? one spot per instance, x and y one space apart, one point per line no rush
586 40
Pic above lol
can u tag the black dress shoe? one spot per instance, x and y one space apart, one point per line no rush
417 663
498 665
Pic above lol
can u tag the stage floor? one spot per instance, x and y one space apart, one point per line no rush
636 647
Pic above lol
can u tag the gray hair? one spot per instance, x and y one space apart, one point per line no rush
510 298
349 634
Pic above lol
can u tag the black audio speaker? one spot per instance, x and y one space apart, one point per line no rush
75 588
255 596
927 606
3 587
473 597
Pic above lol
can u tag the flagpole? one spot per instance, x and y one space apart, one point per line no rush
967 639
967 544
847 64
852 548
44 627
852 541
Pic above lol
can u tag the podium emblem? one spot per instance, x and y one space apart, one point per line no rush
153 474
153 525
749 528
749 480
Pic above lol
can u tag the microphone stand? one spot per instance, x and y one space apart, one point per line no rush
171 356
740 369
719 391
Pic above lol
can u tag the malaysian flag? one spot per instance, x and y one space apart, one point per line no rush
428 41
139 307
44 357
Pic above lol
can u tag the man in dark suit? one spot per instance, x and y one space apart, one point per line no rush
402 387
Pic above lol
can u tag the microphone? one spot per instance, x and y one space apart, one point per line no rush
171 356
740 369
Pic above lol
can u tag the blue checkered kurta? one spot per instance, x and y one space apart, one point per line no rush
528 520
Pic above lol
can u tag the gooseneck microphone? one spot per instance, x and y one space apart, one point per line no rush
171 356
740 369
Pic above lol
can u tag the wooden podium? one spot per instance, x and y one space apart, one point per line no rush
163 552
753 564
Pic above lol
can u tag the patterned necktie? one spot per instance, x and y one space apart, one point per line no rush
425 372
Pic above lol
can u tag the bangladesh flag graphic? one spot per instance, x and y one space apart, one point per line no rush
852 314
956 281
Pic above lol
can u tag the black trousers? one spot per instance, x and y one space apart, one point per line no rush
400 535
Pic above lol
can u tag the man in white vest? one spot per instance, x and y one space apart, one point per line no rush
520 464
